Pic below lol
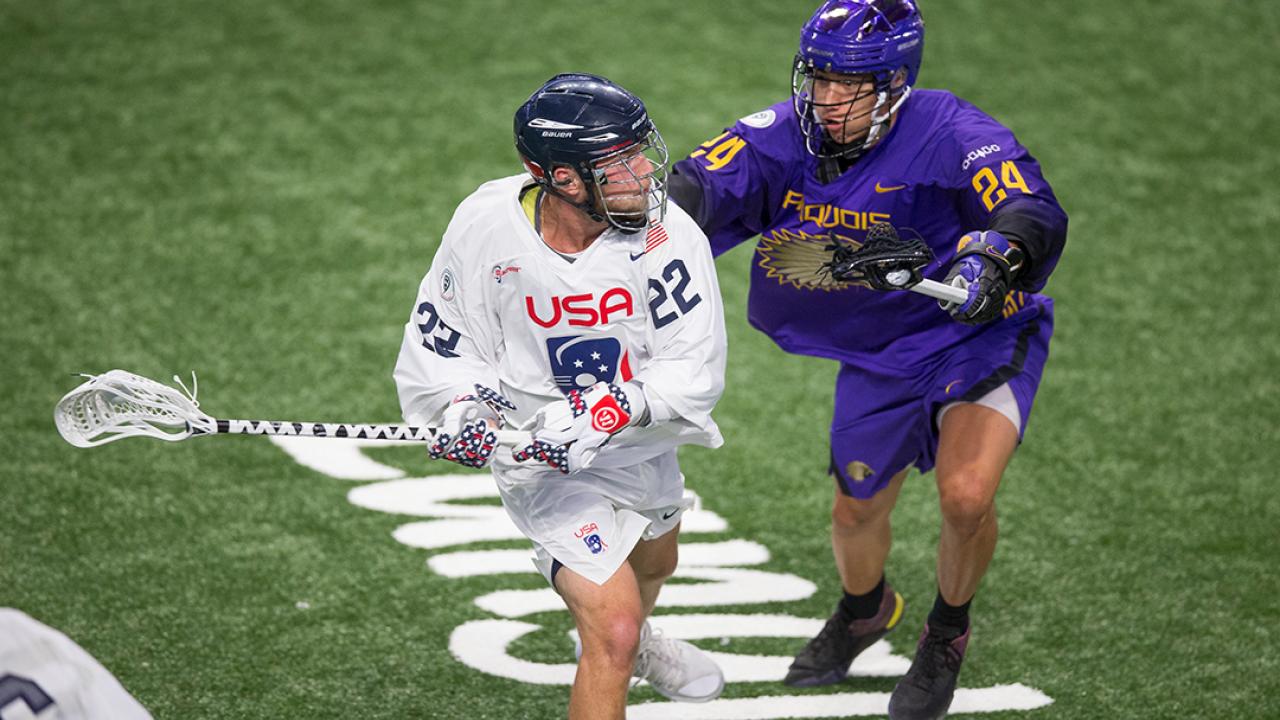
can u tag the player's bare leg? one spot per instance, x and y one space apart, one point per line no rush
860 539
608 618
974 448
861 535
675 668
654 561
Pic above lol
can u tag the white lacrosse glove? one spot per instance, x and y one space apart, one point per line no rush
568 434
467 431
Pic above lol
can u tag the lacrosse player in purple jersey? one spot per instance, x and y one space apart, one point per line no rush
949 388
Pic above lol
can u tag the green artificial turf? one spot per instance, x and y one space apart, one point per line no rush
253 191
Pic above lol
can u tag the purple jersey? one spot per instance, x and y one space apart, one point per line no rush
943 170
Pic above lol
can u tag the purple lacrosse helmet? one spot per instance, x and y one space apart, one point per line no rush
881 39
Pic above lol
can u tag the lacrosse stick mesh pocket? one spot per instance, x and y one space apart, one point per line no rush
119 404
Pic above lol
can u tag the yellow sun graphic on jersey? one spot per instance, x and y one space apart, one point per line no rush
803 260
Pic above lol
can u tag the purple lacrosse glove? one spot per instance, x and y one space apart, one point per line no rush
985 265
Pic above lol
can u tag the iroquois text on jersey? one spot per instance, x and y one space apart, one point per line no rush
830 216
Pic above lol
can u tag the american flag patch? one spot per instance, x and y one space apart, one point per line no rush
657 235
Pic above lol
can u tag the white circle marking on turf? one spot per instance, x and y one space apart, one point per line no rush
483 644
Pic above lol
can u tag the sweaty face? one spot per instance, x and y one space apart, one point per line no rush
843 104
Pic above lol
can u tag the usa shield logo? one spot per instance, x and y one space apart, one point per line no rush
578 362
594 544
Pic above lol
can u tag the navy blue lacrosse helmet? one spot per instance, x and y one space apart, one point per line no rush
880 39
589 124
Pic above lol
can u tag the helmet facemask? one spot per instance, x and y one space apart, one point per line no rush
890 89
603 134
628 187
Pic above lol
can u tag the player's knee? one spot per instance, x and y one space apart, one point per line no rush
966 505
614 642
850 515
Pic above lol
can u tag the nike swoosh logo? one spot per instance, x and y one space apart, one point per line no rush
891 188
667 516
637 256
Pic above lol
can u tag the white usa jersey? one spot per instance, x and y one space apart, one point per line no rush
46 675
502 309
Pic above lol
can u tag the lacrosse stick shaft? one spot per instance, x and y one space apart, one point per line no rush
353 431
940 291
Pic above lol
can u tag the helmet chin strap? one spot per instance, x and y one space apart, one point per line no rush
878 122
614 219
589 207
833 165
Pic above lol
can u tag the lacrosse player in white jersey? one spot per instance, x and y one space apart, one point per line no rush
46 675
574 302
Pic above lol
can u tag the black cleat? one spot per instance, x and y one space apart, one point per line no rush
925 692
827 657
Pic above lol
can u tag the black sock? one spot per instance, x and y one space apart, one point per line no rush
949 620
861 607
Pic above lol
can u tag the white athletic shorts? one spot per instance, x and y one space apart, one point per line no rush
1001 400
591 520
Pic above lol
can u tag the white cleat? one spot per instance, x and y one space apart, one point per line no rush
676 669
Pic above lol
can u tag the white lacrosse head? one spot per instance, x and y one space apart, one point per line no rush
119 404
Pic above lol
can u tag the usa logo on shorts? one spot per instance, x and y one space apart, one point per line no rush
595 544
592 540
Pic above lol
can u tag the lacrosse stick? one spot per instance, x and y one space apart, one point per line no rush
889 262
932 288
119 404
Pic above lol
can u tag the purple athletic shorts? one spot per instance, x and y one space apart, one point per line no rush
884 423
